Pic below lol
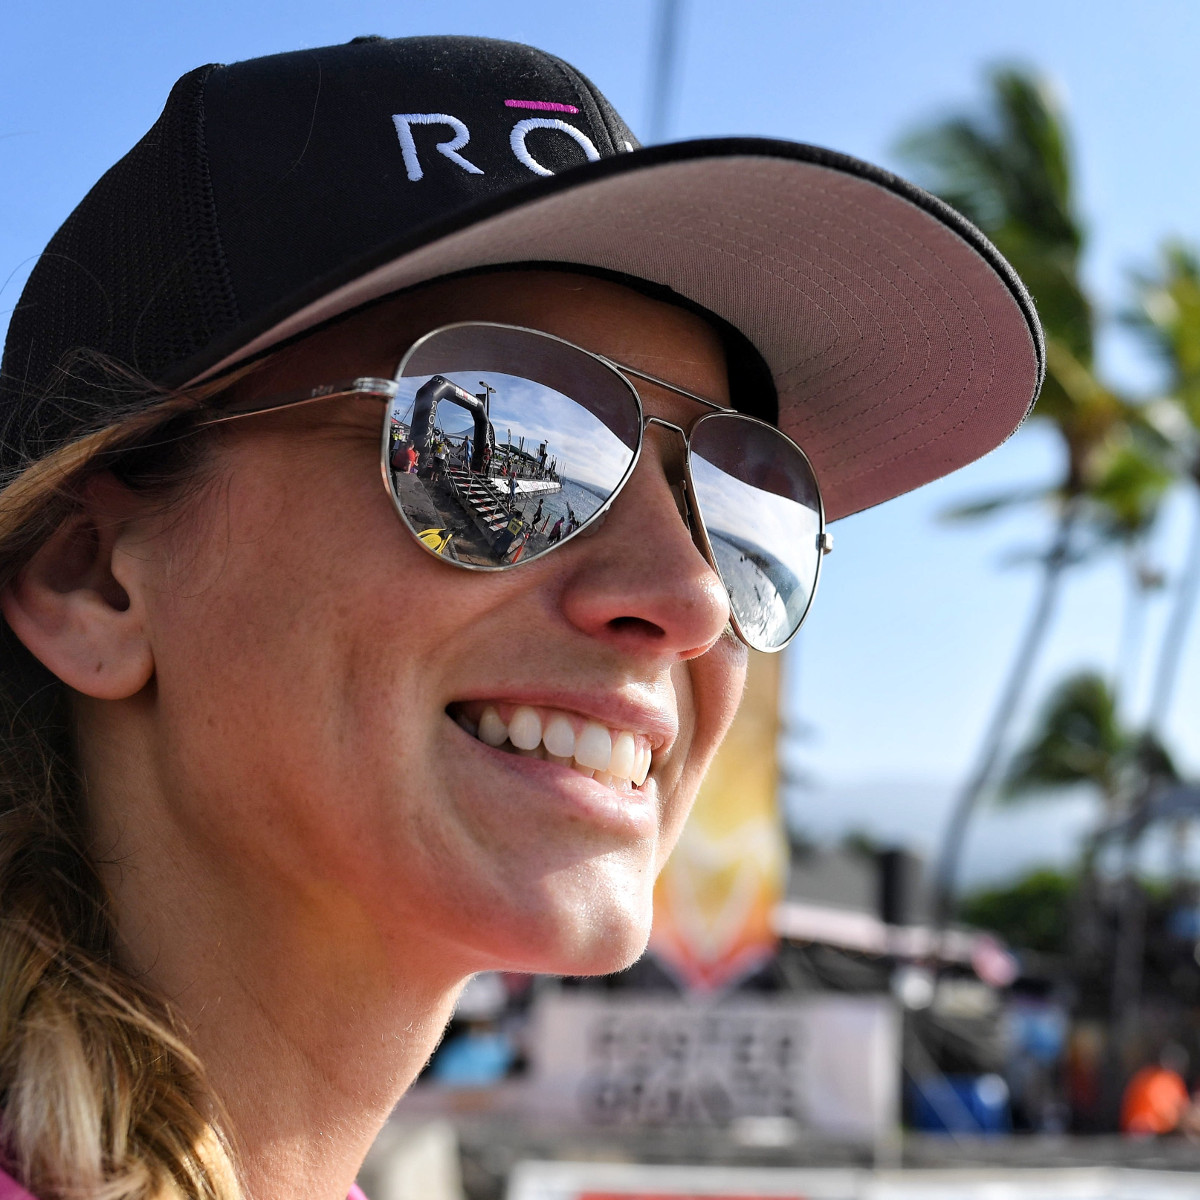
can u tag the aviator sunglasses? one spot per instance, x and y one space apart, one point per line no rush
501 444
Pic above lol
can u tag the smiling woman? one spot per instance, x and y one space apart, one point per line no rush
330 680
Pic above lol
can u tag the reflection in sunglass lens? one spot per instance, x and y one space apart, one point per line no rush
502 442
761 509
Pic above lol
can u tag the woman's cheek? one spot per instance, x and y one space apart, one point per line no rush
715 682
708 690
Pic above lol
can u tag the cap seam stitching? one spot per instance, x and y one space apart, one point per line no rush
582 94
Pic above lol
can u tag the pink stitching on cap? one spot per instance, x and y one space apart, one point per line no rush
541 105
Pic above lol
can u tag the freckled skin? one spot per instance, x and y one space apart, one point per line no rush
306 855
296 745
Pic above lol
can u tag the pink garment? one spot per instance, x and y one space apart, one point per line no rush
10 1189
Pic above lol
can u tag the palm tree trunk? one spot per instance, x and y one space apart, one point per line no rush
1131 647
1128 956
1171 649
946 878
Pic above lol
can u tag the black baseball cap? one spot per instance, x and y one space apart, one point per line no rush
880 329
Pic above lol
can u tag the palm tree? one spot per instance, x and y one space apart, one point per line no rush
1079 739
1009 171
1123 505
1167 315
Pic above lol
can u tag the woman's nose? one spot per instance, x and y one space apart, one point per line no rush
640 582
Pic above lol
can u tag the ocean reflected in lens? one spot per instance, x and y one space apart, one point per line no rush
760 506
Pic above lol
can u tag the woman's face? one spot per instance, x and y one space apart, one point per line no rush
314 668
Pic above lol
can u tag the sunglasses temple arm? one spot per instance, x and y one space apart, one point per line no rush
662 383
378 389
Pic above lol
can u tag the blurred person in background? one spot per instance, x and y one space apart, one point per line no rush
1156 1099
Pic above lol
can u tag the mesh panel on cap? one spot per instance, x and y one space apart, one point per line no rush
136 272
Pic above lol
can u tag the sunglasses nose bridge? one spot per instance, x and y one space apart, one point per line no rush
672 463
673 469
648 421
675 463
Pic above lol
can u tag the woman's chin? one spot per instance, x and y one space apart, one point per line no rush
610 957
586 947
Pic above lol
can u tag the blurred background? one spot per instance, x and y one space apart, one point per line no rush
944 879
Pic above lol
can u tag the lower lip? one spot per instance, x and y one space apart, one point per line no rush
632 813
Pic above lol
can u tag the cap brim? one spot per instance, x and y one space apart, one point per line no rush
902 344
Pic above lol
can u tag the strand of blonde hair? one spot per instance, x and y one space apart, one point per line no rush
100 1096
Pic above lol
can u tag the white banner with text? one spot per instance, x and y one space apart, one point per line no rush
829 1063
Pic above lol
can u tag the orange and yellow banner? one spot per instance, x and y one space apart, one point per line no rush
714 900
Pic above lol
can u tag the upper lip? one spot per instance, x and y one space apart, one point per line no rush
658 725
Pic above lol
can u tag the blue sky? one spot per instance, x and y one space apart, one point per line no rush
906 645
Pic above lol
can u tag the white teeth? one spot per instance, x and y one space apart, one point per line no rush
492 730
624 754
593 747
525 729
641 766
615 761
559 737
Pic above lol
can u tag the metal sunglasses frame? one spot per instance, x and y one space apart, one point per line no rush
386 390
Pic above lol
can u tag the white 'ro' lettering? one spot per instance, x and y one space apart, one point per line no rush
521 128
450 148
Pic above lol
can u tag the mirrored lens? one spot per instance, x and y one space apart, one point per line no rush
505 442
762 511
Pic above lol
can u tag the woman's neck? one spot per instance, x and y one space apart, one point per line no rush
309 1025
306 1054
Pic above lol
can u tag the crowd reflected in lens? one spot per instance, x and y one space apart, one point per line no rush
501 474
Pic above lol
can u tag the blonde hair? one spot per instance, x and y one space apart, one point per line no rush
100 1095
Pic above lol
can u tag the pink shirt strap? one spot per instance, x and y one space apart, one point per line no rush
10 1189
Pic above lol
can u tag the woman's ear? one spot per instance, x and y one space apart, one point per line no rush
77 605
